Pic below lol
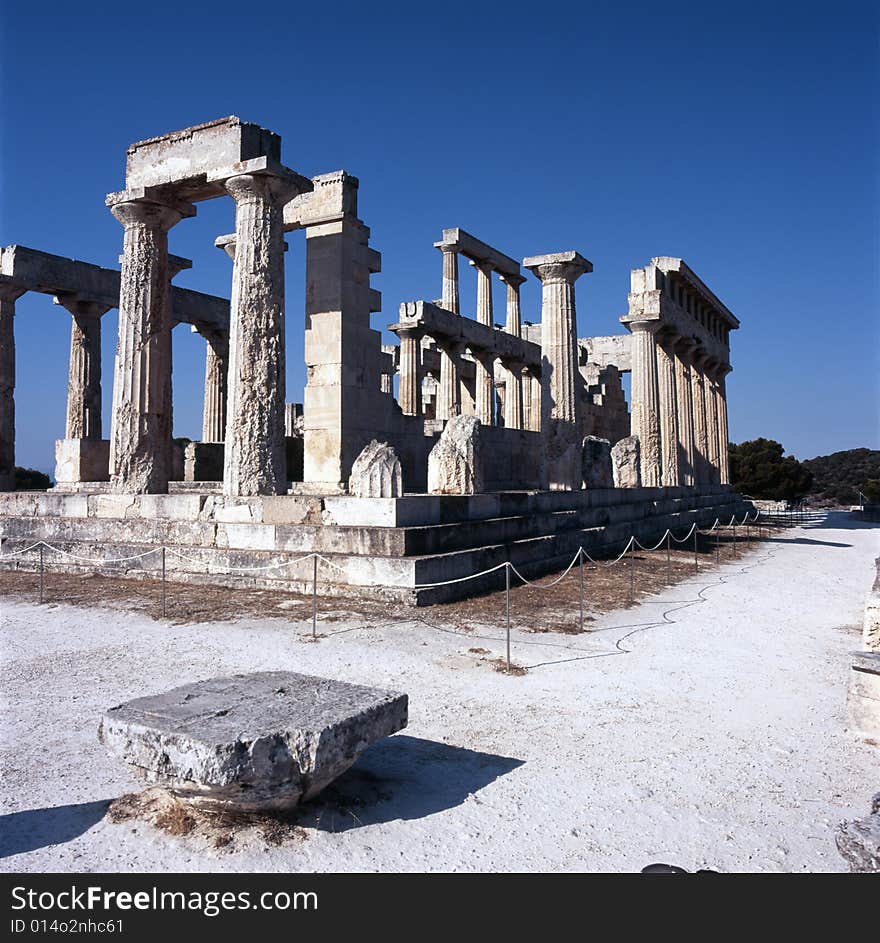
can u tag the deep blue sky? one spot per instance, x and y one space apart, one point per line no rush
741 137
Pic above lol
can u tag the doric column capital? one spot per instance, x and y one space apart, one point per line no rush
410 331
446 248
511 280
644 327
250 188
483 266
81 308
558 267
147 213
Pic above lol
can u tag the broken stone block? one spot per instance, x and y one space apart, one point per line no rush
598 470
251 742
455 465
626 463
376 473
859 841
863 696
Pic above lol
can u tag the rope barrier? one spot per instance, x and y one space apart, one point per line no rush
314 555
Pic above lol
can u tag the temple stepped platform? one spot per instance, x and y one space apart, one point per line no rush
387 547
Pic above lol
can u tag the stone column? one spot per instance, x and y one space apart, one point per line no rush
560 379
140 435
701 446
514 316
254 458
8 296
485 385
410 391
387 382
668 402
723 433
531 387
485 389
450 298
685 411
513 395
84 374
710 398
646 400
216 379
449 392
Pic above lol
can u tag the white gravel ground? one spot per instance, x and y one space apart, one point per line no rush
716 741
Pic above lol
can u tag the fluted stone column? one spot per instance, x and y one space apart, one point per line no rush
723 433
685 411
701 445
485 398
513 324
448 394
711 406
513 404
560 391
254 458
410 391
8 296
485 381
216 379
140 436
84 373
513 395
387 383
450 297
646 400
668 404
449 391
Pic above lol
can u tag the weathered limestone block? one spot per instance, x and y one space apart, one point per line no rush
871 630
376 473
863 698
203 461
82 460
858 841
626 463
598 468
455 465
251 742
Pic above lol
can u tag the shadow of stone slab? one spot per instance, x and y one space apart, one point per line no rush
31 829
403 777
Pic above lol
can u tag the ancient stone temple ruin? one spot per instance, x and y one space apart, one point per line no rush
504 441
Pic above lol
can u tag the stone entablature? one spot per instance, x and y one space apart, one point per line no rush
428 318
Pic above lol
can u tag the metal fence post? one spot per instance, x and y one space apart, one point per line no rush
581 559
696 563
163 582
668 556
507 609
734 537
718 547
315 596
632 570
41 574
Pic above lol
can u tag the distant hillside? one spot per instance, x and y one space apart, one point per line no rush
839 477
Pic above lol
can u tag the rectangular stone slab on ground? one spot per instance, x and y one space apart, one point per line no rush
251 741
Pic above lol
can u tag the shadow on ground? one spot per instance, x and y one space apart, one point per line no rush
403 778
31 829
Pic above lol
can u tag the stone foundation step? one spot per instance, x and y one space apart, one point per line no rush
400 577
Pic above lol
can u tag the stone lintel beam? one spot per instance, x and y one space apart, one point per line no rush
445 326
333 197
477 251
679 268
193 159
65 278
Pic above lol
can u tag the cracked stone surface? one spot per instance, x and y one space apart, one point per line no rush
598 471
376 473
455 464
625 460
250 742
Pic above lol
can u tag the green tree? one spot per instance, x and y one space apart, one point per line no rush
29 479
871 490
761 469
